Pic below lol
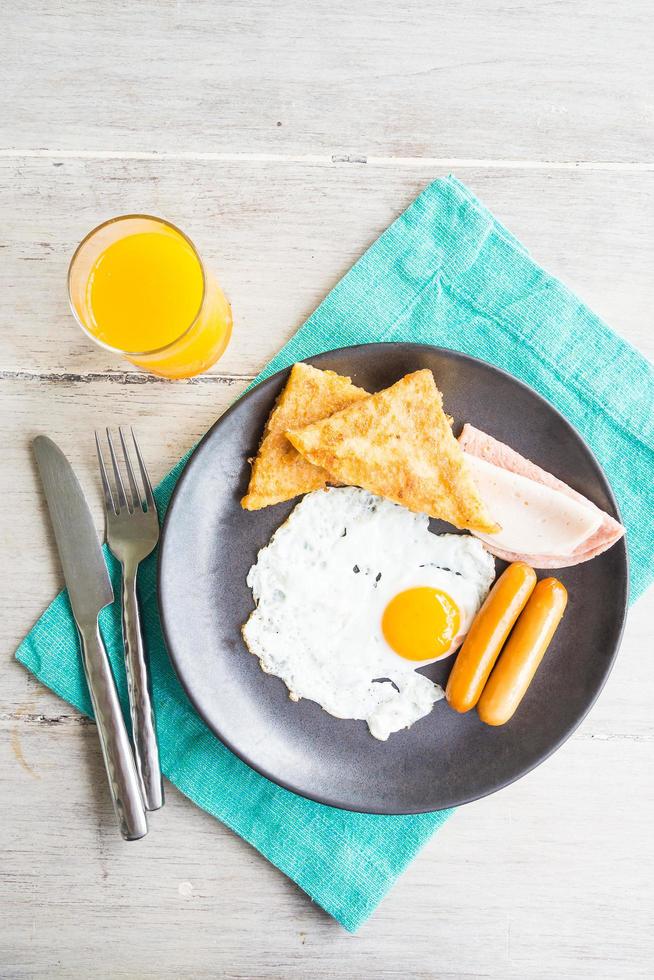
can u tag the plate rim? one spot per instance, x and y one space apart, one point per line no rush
321 798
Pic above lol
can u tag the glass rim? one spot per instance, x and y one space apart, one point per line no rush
88 237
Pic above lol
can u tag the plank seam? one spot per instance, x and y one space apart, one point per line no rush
120 377
334 159
47 721
79 720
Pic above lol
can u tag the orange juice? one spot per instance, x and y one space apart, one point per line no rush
137 286
141 289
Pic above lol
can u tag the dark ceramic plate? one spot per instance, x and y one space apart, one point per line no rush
209 543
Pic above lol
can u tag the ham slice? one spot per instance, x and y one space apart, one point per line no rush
576 529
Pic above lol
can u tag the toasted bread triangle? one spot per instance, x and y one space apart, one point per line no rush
279 472
398 444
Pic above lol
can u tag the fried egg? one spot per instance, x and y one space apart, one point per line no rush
353 593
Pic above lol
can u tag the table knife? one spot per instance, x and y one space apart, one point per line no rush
89 591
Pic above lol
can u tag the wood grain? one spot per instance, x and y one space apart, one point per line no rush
495 78
549 878
513 870
284 138
279 236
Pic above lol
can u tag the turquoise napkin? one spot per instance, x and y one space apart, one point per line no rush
447 273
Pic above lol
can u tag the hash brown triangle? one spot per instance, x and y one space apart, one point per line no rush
398 444
279 472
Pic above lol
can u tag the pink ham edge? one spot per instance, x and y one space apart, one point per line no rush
480 444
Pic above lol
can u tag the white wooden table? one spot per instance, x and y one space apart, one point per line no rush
284 137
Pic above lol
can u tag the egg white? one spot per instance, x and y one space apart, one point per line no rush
321 586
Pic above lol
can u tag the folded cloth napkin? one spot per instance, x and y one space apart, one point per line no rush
446 273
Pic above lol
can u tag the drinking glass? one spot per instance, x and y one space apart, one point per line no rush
137 287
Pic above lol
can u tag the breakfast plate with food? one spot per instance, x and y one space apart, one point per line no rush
392 578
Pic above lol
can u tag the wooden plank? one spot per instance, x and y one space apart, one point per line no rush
535 81
549 878
60 839
170 419
279 236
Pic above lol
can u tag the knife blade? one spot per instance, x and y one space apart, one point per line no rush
89 591
82 561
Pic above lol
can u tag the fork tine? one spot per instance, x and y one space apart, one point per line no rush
136 496
149 498
120 489
108 497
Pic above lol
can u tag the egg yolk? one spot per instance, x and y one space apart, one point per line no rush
420 623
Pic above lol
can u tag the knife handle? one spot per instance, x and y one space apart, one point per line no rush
144 734
116 748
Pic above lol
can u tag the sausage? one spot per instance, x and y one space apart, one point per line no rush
487 635
523 653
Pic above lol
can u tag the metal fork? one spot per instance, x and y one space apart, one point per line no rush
132 531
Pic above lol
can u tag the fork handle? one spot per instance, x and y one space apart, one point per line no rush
144 736
116 750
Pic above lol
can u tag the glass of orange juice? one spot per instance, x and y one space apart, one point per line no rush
137 287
